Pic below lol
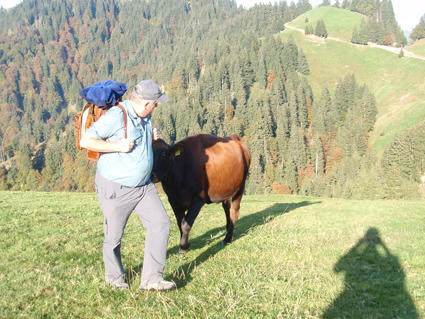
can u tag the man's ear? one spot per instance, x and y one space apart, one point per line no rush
176 151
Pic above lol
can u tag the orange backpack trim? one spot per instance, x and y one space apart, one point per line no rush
94 113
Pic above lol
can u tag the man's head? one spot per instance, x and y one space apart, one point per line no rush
145 96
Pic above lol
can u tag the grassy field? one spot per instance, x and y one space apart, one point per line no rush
418 47
293 257
398 84
339 23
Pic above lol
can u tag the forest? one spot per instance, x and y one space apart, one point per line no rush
225 72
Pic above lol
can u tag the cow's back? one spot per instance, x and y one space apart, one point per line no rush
226 166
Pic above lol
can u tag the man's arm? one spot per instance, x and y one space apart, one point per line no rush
124 145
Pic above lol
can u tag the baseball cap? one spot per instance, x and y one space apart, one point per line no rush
149 90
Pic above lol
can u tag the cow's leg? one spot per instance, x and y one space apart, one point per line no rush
229 225
179 213
187 223
232 214
179 217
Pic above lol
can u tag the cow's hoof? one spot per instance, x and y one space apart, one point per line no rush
225 242
182 251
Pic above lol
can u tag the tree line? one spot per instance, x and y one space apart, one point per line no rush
224 69
379 25
418 31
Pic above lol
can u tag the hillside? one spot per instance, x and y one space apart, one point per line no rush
307 120
418 47
292 257
339 22
397 83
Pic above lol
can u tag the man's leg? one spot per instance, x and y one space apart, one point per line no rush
157 224
116 210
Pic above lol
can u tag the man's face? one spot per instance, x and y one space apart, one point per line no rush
145 107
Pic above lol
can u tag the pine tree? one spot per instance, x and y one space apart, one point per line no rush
302 107
320 30
418 31
291 176
308 29
355 38
363 33
318 156
262 72
303 67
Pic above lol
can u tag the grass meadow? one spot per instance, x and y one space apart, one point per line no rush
418 47
292 257
339 23
397 83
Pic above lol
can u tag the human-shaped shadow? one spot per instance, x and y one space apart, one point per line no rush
374 283
243 227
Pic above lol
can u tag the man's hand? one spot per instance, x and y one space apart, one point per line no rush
155 134
125 145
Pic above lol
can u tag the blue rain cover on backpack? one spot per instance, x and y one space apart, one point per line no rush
104 94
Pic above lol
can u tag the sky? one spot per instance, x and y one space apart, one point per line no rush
407 12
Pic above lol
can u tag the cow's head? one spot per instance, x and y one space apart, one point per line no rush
164 154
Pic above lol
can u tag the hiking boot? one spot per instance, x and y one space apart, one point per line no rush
162 285
118 284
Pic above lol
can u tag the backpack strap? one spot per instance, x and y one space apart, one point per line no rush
125 119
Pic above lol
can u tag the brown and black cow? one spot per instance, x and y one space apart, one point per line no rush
198 170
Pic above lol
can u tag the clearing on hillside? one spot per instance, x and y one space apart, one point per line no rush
389 77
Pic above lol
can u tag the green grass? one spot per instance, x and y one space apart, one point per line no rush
339 22
418 47
398 84
293 257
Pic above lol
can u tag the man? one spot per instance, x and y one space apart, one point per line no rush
123 184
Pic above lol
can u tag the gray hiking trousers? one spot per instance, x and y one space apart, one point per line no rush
117 203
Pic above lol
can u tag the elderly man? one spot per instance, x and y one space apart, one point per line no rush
123 184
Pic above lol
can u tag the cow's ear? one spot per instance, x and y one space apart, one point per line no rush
176 151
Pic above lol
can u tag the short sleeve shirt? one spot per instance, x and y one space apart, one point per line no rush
130 169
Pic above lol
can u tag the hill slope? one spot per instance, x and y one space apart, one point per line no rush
292 257
339 23
418 47
397 83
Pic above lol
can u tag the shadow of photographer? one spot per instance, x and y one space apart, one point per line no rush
374 283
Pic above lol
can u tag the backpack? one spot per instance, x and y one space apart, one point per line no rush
100 98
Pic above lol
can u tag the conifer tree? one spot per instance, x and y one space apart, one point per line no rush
318 156
302 107
355 38
320 29
261 72
303 67
291 176
363 33
418 31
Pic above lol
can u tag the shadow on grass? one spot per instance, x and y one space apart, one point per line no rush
374 283
244 225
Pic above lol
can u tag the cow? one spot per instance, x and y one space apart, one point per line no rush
198 170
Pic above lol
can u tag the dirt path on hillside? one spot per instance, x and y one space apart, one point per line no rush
394 50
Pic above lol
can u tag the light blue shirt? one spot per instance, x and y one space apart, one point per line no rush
133 168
